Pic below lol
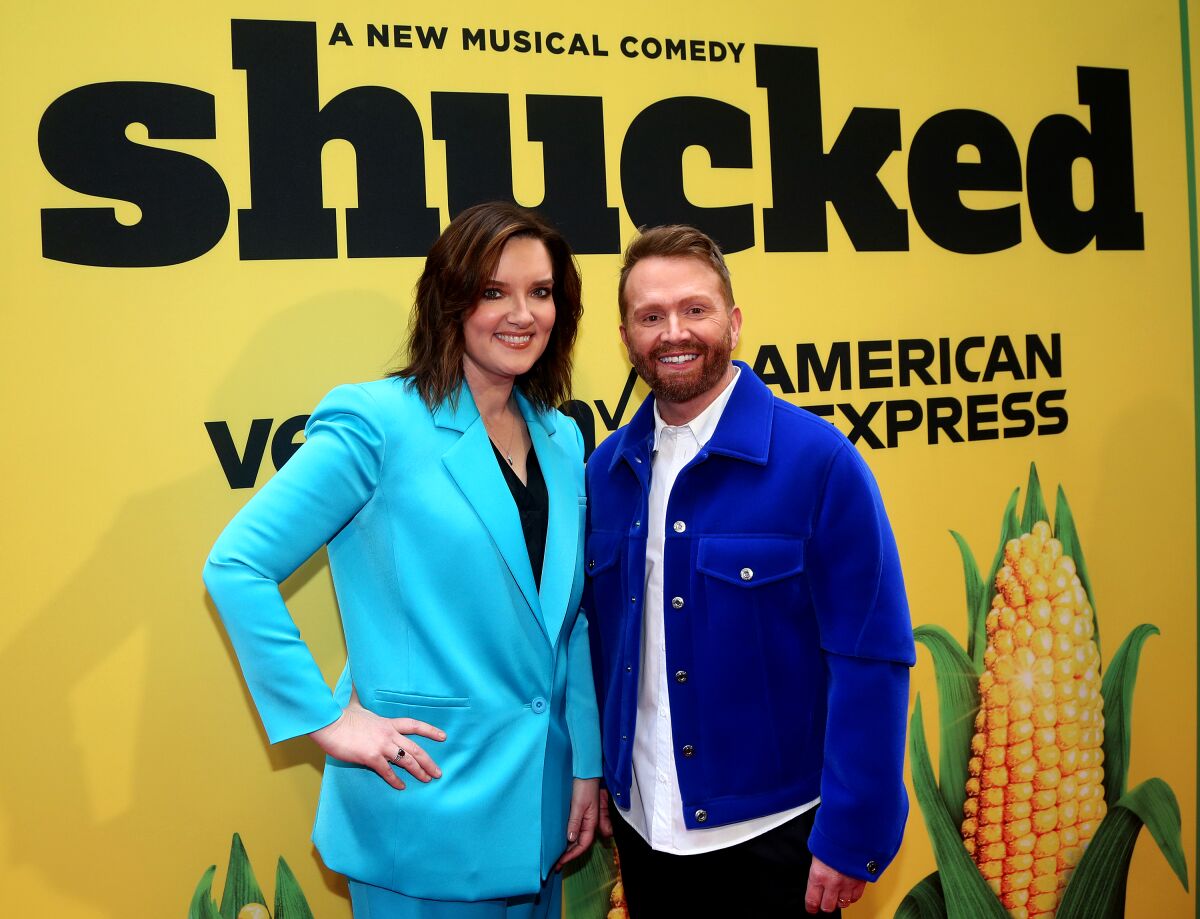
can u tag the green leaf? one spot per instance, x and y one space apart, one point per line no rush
1065 532
240 884
202 906
1117 690
290 902
958 700
978 600
588 881
1035 504
1097 886
967 895
925 901
1010 528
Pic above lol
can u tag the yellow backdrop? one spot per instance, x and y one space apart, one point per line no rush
132 750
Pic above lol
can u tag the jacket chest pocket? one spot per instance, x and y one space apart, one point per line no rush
601 564
760 574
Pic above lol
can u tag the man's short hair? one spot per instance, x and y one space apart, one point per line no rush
674 241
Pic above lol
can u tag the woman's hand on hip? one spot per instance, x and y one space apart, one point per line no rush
581 824
360 736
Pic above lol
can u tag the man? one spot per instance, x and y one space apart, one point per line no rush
750 634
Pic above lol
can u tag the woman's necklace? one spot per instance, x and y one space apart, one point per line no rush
507 451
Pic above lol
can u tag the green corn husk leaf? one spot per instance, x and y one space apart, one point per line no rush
958 700
1097 886
1010 528
1035 504
1064 532
925 901
241 887
1117 690
588 881
978 600
290 902
967 895
202 906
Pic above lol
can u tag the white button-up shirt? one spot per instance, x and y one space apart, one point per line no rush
656 805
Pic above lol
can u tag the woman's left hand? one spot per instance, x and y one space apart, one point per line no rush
581 825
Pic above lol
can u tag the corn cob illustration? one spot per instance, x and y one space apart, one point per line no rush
1048 821
1035 792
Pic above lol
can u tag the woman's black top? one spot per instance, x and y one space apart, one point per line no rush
533 504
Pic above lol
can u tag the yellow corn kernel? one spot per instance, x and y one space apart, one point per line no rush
1012 899
1018 810
1018 829
1014 863
1035 793
1018 880
992 797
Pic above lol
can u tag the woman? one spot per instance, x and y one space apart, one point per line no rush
439 490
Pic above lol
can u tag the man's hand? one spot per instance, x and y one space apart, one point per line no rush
581 824
829 889
605 825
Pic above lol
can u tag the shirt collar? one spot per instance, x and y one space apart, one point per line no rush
704 424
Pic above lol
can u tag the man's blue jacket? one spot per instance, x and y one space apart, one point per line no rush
787 628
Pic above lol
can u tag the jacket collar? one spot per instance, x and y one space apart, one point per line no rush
744 431
472 464
458 411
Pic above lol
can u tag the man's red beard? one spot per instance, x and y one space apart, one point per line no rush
713 361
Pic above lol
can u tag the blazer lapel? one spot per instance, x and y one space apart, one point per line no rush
562 528
473 467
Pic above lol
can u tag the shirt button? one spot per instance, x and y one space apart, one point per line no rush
702 815
677 602
538 705
680 676
747 574
662 778
679 526
689 750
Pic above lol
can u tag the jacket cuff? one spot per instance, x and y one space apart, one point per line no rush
866 866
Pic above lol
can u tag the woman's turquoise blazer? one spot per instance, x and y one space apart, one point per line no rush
443 623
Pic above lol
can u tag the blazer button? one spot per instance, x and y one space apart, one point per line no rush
872 867
591 564
677 602
689 750
680 676
747 574
679 526
538 705
701 816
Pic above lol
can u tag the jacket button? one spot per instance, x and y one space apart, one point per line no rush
689 750
591 564
677 602
538 704
747 574
872 867
679 526
680 676
701 816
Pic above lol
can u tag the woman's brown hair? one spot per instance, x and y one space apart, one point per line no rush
457 270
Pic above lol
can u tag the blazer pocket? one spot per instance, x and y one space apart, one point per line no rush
386 696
